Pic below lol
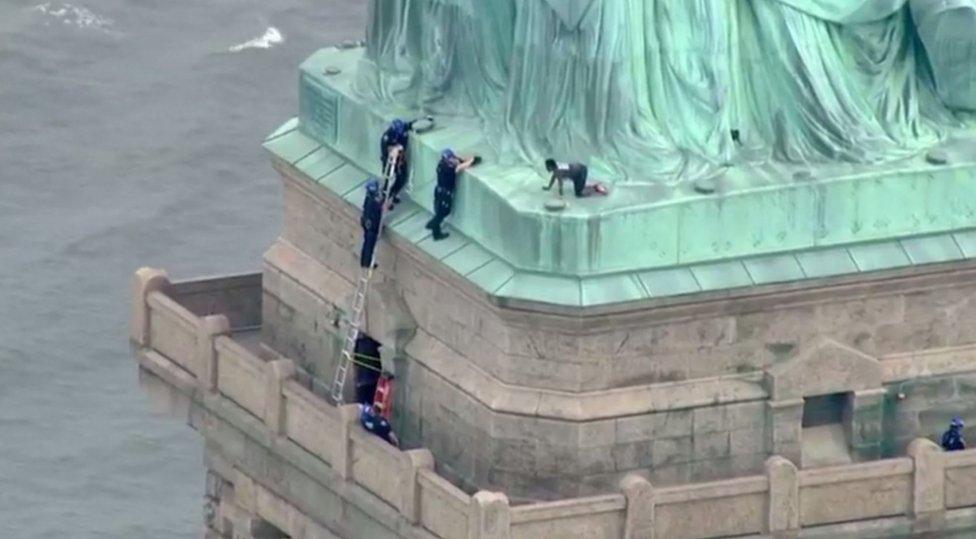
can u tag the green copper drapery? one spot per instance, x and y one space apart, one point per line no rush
651 89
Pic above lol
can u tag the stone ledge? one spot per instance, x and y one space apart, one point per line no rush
716 489
927 363
568 508
587 406
855 472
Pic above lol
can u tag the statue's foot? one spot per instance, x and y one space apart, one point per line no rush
947 28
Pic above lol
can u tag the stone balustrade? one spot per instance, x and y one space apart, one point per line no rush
197 354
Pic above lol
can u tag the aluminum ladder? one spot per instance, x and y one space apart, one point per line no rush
359 300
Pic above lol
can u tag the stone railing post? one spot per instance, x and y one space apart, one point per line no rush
928 484
639 520
245 494
414 461
145 282
862 423
348 419
276 373
783 517
489 516
784 419
209 328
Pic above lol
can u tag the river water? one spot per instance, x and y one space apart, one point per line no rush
130 135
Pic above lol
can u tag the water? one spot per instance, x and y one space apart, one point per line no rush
129 135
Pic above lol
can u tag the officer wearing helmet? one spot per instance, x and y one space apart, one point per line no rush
395 139
448 169
396 134
370 221
952 439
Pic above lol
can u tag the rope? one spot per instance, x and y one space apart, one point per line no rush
361 364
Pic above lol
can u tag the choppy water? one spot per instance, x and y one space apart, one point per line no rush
129 135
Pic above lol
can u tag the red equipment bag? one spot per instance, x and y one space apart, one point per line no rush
383 398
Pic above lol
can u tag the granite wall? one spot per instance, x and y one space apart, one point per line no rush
544 403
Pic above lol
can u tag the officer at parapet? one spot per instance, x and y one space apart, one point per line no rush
448 169
370 221
952 439
395 139
373 422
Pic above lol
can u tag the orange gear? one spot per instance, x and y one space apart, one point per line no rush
383 398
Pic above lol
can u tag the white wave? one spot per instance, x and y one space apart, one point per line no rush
270 38
74 16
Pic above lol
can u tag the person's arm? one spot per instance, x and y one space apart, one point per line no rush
394 440
393 153
552 180
468 163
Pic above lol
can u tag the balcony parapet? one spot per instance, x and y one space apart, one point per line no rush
199 355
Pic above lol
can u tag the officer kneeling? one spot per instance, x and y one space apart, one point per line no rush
448 169
376 424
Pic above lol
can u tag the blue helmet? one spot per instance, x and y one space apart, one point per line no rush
367 412
448 154
372 186
399 125
956 422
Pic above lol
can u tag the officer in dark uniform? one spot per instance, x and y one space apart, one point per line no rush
448 169
952 439
576 173
368 374
370 221
373 422
397 136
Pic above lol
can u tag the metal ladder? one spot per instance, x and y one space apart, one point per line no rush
359 300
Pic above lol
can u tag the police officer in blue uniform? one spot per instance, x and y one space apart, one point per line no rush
376 424
370 221
448 169
952 439
396 137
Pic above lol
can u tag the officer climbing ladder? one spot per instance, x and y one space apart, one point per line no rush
359 299
393 151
